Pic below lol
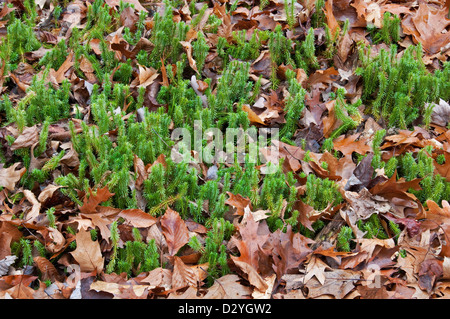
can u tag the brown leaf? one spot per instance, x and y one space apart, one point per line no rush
253 276
441 113
183 275
174 230
47 192
90 204
59 75
252 116
137 218
365 204
9 233
47 269
141 173
338 283
115 3
350 144
238 202
289 250
331 20
228 287
28 138
188 48
88 254
9 176
128 18
35 209
322 76
118 290
253 236
159 277
430 28
147 76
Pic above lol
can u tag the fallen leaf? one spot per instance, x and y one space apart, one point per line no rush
117 289
88 254
47 269
28 138
10 176
90 204
174 230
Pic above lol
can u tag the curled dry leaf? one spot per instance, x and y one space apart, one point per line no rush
47 269
10 176
35 209
117 289
174 230
5 263
28 138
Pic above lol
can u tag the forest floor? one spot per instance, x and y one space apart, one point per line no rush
346 198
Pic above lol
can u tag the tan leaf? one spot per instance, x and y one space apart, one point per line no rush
253 277
35 209
55 241
9 176
47 192
141 173
183 275
188 48
60 73
137 5
147 76
88 253
159 277
228 287
28 138
117 289
337 283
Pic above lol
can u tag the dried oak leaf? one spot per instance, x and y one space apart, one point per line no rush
441 113
47 269
137 5
239 202
90 204
439 218
10 176
397 192
159 277
338 283
348 145
429 28
183 275
88 254
28 138
118 290
174 230
253 236
289 250
228 287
